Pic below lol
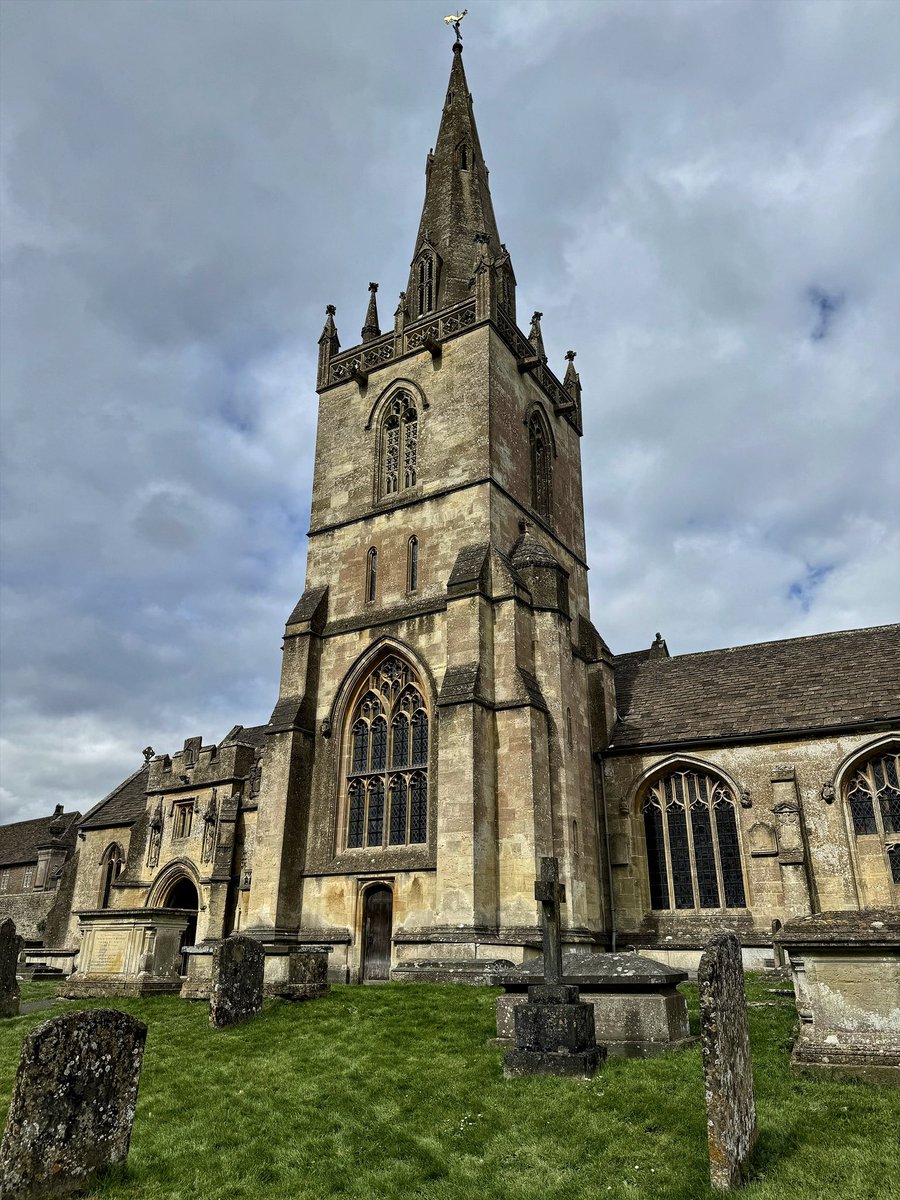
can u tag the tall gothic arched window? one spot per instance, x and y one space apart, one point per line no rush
424 283
399 445
541 480
873 797
387 760
693 850
111 865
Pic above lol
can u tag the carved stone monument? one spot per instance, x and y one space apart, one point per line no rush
727 1069
236 993
128 952
305 975
10 945
554 1031
73 1103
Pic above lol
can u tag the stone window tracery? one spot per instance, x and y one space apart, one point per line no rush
541 478
111 865
693 849
873 797
425 283
399 445
387 760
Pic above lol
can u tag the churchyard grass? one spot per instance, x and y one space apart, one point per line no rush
392 1091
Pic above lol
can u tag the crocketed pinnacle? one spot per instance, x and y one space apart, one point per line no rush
371 328
457 205
329 333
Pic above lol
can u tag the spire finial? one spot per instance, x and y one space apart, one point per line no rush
371 329
455 19
536 338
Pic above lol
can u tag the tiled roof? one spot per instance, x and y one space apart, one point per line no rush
20 841
122 806
255 735
832 679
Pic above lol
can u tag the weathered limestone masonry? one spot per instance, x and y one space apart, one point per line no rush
846 972
236 993
727 1069
10 945
447 565
73 1104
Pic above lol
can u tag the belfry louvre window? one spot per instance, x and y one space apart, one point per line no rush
873 796
387 760
693 852
425 284
399 445
539 446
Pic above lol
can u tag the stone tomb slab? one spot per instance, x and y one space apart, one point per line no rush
727 1069
304 975
846 974
638 1010
73 1103
238 971
10 945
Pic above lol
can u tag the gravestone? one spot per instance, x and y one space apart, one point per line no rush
554 1031
306 977
73 1103
10 945
727 1069
236 992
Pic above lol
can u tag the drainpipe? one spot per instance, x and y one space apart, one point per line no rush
609 878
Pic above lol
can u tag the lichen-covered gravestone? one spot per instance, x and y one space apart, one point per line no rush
73 1103
10 945
236 993
727 1069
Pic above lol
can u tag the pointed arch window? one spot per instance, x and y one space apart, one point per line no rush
425 283
541 478
111 865
693 848
371 574
412 565
873 798
399 445
463 155
387 760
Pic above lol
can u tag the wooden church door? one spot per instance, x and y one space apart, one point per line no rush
377 915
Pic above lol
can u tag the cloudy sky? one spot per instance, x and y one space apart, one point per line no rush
702 198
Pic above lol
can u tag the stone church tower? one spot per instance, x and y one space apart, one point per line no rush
441 687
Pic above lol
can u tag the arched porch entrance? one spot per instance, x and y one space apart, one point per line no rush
183 894
378 910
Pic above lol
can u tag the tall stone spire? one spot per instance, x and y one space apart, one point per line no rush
457 205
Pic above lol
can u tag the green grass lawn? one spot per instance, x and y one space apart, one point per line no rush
392 1091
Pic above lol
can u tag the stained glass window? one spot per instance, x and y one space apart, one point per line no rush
873 796
693 848
380 768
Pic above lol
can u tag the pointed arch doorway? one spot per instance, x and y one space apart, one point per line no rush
183 894
378 911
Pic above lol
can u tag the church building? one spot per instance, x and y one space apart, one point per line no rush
448 713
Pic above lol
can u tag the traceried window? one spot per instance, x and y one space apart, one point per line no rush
873 797
539 445
693 851
387 760
399 445
111 865
182 819
424 283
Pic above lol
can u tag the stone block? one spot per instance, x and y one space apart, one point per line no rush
236 992
554 1035
10 945
306 977
73 1103
727 1069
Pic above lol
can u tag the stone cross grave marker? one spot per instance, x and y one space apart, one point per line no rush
727 1069
554 1031
238 968
73 1103
10 945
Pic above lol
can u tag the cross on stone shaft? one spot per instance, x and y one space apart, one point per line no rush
551 894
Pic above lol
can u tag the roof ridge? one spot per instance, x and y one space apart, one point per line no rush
806 637
109 795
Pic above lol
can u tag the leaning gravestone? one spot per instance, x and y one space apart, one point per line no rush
73 1103
727 1069
554 1030
236 992
10 945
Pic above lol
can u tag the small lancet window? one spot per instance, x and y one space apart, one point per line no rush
399 445
541 480
387 760
371 574
412 565
693 848
425 283
464 157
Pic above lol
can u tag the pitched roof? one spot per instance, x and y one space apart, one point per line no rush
829 680
19 842
123 805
